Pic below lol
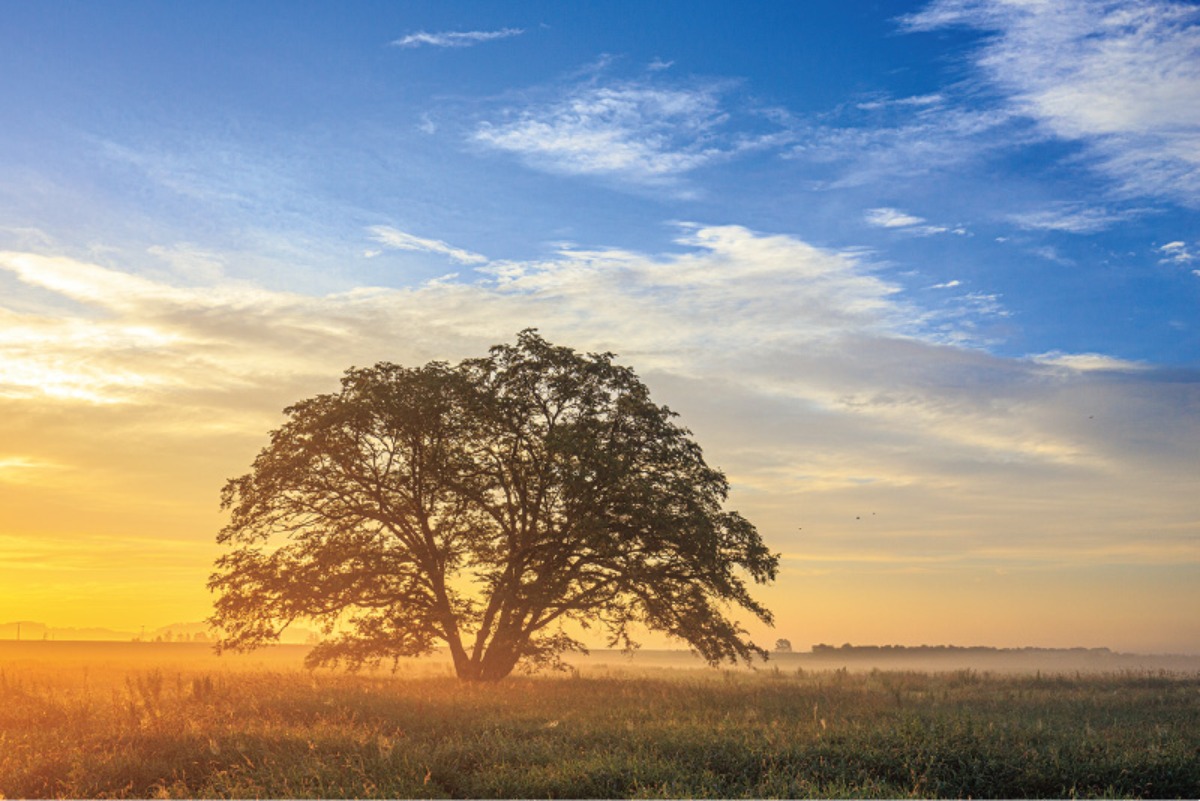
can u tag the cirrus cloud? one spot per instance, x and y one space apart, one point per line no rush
1074 218
454 38
634 132
1120 76
399 240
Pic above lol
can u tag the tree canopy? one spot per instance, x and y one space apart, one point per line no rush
484 506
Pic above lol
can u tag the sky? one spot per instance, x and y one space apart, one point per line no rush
922 278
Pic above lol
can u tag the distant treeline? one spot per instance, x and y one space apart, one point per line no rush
927 650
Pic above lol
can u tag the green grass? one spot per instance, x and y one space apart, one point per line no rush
178 731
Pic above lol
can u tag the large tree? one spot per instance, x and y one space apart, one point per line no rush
484 505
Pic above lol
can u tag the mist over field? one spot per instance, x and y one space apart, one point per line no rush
642 662
1027 661
172 720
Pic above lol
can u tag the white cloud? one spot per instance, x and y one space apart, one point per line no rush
399 240
144 337
454 38
891 218
947 285
634 132
917 100
87 283
886 217
1176 253
1084 362
1075 218
1121 76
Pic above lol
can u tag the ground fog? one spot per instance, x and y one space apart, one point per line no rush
142 720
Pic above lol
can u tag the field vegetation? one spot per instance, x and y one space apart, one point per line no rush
139 720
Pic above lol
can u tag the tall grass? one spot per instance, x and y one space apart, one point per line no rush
170 730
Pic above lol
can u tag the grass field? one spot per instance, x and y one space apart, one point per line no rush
127 720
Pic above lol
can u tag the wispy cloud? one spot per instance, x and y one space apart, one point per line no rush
23 469
1051 253
1177 253
191 262
895 219
915 100
399 240
891 218
879 141
1075 218
1084 362
454 38
635 132
1122 77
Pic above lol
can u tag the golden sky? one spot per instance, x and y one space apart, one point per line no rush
919 491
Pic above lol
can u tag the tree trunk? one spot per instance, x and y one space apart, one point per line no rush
494 664
468 670
499 666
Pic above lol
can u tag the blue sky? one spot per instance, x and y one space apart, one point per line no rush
896 253
287 131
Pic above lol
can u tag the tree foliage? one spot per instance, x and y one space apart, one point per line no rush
483 506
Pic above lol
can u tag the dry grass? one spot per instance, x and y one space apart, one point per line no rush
173 721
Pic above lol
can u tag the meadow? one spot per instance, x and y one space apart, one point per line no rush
174 721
